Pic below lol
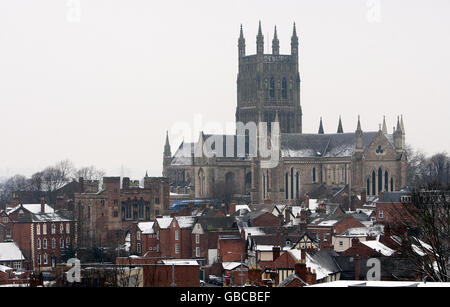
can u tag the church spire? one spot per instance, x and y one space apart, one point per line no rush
259 41
294 42
384 125
359 136
275 43
167 152
340 129
321 127
241 43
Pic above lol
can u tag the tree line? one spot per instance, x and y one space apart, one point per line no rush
48 180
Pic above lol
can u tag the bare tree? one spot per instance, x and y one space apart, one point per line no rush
424 232
89 173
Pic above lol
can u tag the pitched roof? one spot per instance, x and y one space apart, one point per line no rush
296 145
146 227
217 223
290 279
9 251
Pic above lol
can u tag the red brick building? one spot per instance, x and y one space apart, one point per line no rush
44 236
323 228
105 214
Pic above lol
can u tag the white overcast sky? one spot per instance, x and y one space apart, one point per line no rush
99 82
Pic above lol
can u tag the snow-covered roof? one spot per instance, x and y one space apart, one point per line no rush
363 283
146 227
245 207
313 204
264 248
254 231
4 268
180 262
295 145
9 251
379 247
33 208
311 262
327 223
185 221
232 265
164 222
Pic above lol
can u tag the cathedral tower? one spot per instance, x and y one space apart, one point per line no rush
269 83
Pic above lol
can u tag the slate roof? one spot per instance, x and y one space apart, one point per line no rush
183 155
290 279
299 145
217 223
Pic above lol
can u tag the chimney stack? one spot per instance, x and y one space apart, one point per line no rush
42 204
126 183
276 252
300 270
287 214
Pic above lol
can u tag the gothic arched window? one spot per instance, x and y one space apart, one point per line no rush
284 89
272 88
314 174
386 181
374 177
286 181
380 180
368 186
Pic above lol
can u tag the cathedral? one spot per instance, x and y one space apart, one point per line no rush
362 163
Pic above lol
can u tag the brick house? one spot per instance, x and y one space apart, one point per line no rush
324 227
44 236
230 248
205 235
264 218
394 208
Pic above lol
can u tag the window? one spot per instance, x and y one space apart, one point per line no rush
67 242
61 243
176 235
44 229
38 229
67 228
38 243
314 174
45 259
177 250
341 243
17 265
138 248
380 214
53 229
138 235
61 228
39 259
5 219
197 238
157 200
44 244
197 252
53 243
272 88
